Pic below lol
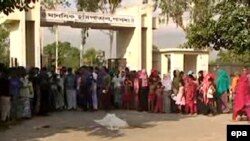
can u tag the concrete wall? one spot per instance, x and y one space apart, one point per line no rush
190 63
177 61
18 39
202 62
25 36
30 44
168 60
139 49
149 39
156 63
164 64
144 48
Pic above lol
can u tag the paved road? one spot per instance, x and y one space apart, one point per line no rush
79 126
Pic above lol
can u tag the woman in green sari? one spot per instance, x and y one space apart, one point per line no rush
222 89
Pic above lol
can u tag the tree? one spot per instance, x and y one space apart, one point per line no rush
232 57
54 4
95 6
67 55
4 46
227 27
88 6
112 6
175 9
91 57
8 6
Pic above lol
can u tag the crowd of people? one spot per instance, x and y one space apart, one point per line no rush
27 93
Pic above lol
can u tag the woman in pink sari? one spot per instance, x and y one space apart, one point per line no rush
136 85
242 97
205 85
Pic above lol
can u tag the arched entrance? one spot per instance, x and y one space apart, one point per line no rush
134 26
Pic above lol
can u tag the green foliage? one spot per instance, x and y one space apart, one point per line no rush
8 6
52 4
227 27
175 9
232 57
67 55
94 6
91 57
114 4
88 5
4 55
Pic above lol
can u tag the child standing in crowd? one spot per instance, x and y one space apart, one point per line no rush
151 97
127 94
210 96
159 98
180 98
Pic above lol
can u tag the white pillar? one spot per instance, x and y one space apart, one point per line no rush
18 39
129 42
38 36
164 64
149 38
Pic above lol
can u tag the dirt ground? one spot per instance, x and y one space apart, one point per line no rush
79 126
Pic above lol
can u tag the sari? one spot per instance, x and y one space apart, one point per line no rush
242 97
167 83
234 84
106 92
202 100
190 94
222 88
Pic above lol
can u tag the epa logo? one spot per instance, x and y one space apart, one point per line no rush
238 134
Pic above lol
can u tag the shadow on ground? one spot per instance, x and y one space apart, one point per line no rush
64 122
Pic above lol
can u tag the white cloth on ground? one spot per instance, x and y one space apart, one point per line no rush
112 122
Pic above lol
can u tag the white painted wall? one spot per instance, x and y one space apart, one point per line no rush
190 63
18 39
202 62
132 50
17 21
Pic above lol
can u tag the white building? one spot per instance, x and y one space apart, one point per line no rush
169 59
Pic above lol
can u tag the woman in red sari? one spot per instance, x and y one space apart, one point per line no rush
127 94
242 97
190 91
136 86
